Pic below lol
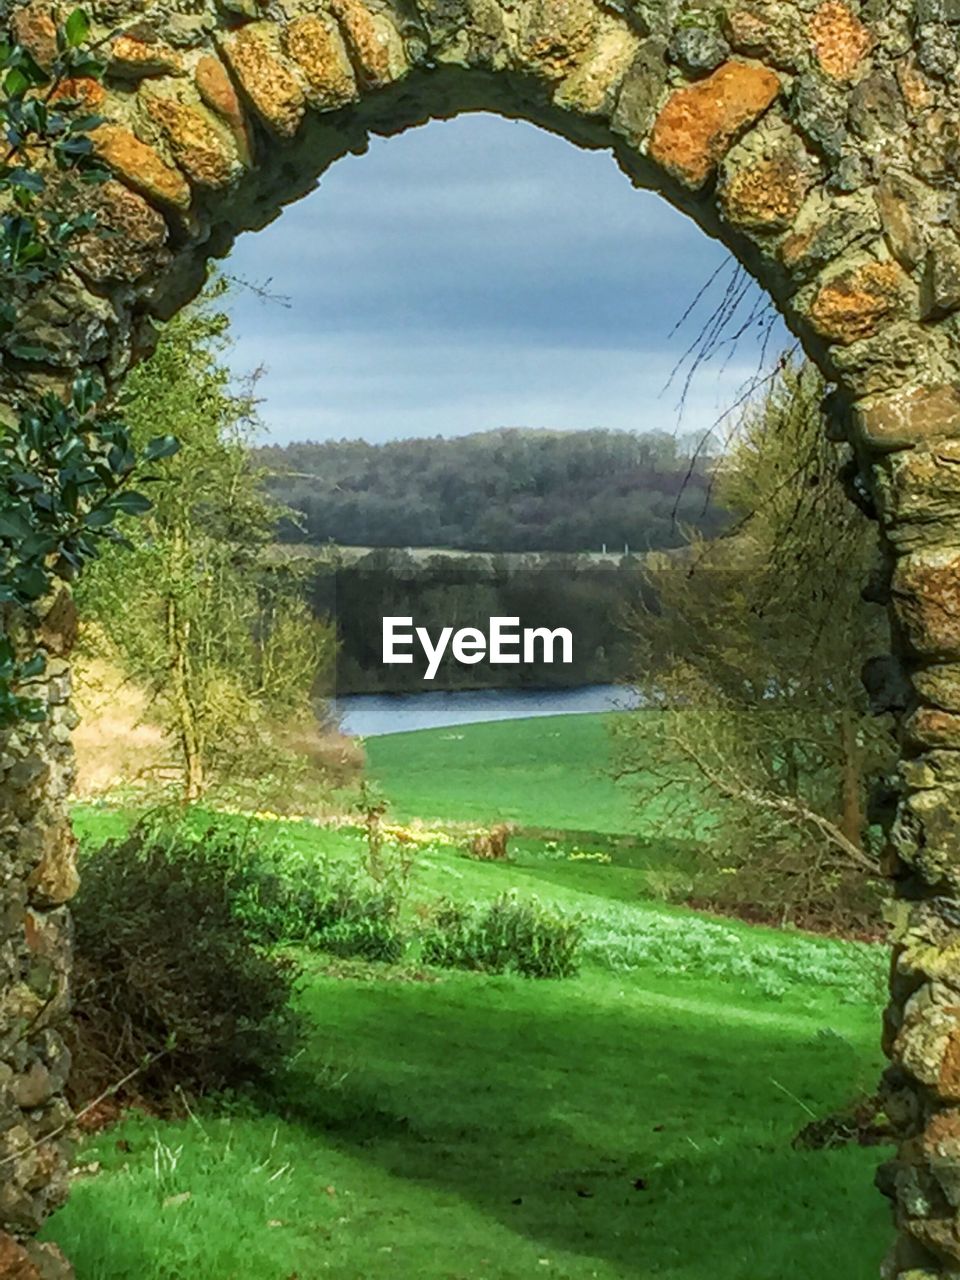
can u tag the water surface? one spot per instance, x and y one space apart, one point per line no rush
369 714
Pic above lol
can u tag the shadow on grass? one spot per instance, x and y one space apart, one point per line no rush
586 1121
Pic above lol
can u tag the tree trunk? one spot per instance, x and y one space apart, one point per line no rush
183 702
851 783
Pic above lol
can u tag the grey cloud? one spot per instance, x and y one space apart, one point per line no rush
472 274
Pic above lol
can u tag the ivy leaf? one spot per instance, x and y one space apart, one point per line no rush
161 447
76 29
15 83
132 503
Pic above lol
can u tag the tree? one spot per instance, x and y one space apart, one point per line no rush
194 610
757 730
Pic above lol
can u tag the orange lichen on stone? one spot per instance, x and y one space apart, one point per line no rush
202 148
273 89
373 42
765 195
932 728
33 27
140 166
840 40
136 58
216 90
949 1081
316 46
916 91
698 123
84 90
854 304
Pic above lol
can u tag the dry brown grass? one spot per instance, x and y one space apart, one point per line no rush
115 742
119 745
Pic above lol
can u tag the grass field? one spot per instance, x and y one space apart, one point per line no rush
548 771
632 1123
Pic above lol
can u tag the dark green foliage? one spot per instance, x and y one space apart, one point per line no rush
319 905
167 974
65 465
278 896
509 935
508 490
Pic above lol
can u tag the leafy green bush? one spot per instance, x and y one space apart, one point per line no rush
511 934
319 904
281 896
166 975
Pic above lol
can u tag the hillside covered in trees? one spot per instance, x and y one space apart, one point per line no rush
505 490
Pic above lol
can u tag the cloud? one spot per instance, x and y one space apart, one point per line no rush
472 274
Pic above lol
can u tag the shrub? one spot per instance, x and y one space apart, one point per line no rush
523 936
281 896
163 967
320 905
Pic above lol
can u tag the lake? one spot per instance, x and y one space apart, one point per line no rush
366 715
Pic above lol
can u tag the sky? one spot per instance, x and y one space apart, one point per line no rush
474 274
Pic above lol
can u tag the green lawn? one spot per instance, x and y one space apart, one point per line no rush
482 1128
629 1124
548 771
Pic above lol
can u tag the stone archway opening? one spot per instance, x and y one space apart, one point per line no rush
817 139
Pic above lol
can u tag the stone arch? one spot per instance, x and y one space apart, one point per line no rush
819 139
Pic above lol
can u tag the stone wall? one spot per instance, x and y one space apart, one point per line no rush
37 877
819 139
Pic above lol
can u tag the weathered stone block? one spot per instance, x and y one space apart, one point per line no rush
640 93
769 30
853 303
926 601
593 86
55 879
140 166
765 195
940 290
202 146
699 123
33 27
136 234
316 46
373 41
555 35
699 49
909 417
840 40
877 111
255 57
895 357
917 493
899 201
133 59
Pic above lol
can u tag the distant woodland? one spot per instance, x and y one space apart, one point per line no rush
506 490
